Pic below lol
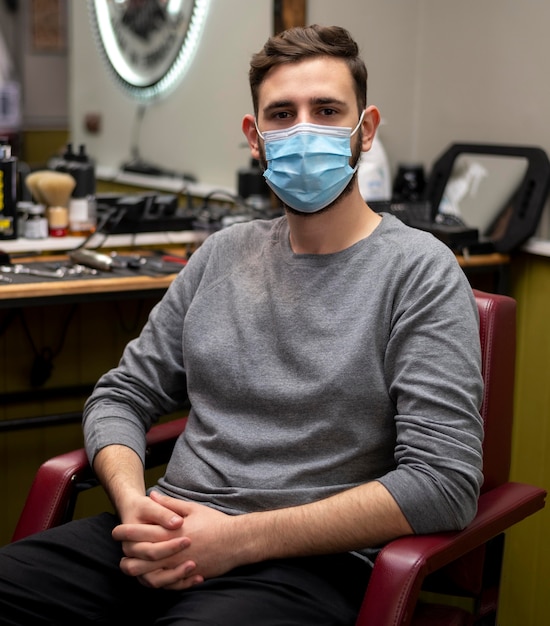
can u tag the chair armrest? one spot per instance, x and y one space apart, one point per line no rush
57 480
402 565
51 492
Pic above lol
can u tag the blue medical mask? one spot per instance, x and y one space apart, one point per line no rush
308 164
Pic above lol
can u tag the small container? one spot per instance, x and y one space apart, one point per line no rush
8 191
58 221
36 224
82 205
23 207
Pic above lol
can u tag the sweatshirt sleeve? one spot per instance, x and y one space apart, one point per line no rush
433 369
150 380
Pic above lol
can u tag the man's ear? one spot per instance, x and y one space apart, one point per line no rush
251 134
371 120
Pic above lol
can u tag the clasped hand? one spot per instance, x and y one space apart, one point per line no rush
174 544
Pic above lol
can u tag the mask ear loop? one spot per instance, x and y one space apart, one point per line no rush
353 133
356 128
258 130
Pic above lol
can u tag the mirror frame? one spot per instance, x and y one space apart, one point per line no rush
527 202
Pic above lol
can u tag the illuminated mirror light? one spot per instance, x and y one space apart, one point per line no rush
148 44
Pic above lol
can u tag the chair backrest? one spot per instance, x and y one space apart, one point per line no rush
466 563
497 316
497 332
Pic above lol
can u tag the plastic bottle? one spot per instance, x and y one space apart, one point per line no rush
82 205
374 173
8 191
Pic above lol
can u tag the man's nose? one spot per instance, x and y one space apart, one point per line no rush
304 118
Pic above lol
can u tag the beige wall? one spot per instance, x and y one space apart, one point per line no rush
481 70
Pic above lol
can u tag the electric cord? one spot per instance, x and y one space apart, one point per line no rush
238 203
137 164
236 199
113 219
42 366
136 131
106 217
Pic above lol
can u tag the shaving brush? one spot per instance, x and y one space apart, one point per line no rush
56 188
31 181
53 190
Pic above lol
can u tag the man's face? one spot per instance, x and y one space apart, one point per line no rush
318 91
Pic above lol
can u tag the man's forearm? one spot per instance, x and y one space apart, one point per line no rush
120 471
365 516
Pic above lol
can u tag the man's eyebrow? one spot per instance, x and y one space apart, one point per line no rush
327 101
283 104
278 104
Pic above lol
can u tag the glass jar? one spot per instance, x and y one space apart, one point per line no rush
36 224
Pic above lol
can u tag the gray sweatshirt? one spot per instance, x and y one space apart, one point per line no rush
309 375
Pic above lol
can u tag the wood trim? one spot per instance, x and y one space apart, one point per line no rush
287 14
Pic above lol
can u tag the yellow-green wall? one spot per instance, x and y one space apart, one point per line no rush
40 145
525 594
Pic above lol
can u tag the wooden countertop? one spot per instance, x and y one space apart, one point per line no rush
57 291
10 293
483 260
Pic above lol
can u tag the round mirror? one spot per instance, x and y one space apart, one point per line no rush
148 44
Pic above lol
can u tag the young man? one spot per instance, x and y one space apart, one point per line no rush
331 358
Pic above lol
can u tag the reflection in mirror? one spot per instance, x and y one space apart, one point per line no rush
480 189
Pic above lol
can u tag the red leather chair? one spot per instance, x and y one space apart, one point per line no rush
465 563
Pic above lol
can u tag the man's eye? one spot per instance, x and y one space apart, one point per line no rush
281 115
328 112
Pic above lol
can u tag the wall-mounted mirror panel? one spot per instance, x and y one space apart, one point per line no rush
498 190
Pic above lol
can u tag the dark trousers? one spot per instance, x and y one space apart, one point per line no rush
70 575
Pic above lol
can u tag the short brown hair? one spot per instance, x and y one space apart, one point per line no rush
297 44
